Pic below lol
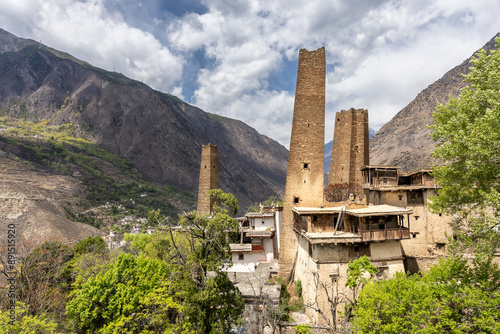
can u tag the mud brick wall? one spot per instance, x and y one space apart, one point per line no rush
305 173
209 177
350 150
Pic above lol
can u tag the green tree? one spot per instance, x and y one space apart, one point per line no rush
24 322
467 135
356 274
302 329
136 294
43 283
272 200
447 299
202 247
90 245
192 294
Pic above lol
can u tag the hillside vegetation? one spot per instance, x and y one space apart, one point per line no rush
107 177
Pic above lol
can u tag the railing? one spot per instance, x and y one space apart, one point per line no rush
297 225
388 234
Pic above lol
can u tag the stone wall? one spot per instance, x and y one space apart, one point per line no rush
305 172
429 231
209 177
350 150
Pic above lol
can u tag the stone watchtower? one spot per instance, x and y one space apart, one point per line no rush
350 150
209 177
305 172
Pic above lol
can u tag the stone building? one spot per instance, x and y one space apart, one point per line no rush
411 190
330 237
350 147
389 221
305 172
209 177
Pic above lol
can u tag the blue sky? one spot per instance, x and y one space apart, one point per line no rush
238 58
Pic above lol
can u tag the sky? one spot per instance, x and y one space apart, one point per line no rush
238 58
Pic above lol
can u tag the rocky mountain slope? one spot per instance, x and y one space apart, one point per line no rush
30 204
404 141
160 134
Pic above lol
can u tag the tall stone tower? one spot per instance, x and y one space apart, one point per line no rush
350 150
209 177
305 173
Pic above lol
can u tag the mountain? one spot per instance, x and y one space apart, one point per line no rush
157 132
404 141
31 201
328 150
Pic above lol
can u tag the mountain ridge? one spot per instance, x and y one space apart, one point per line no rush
404 141
159 133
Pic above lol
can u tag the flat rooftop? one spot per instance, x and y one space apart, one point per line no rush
259 215
379 210
371 210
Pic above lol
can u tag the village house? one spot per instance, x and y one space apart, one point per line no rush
411 190
258 239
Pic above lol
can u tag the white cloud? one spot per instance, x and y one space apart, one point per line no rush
381 53
384 52
89 32
267 112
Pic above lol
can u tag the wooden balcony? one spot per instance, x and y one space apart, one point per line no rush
385 234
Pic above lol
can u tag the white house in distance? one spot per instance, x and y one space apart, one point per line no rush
259 239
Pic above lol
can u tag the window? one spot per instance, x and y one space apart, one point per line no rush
415 198
400 197
305 165
241 257
296 200
440 246
382 269
334 277
315 218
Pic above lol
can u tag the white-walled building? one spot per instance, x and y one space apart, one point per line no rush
259 239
